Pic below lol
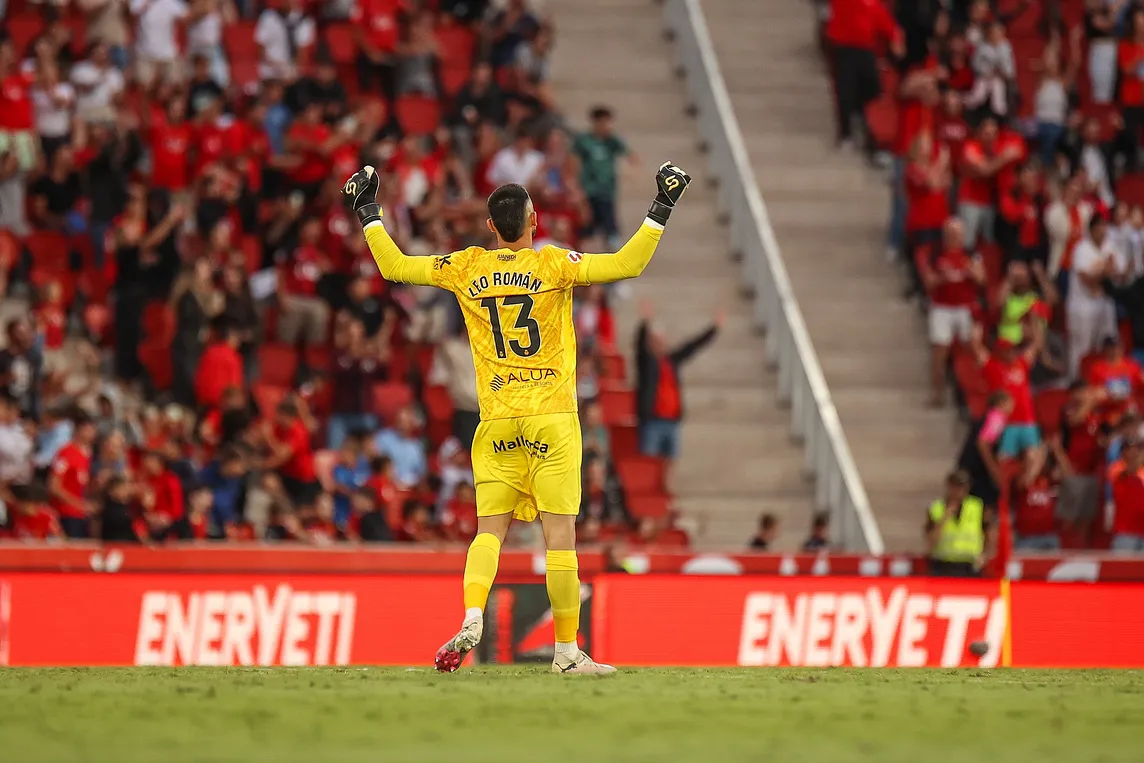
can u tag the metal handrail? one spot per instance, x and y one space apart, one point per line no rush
814 420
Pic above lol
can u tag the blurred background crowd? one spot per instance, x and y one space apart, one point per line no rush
1012 133
197 342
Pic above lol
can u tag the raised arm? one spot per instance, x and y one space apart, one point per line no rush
360 195
633 257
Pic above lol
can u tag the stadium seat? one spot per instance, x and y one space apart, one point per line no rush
625 441
267 397
49 250
339 37
389 398
251 253
456 44
317 358
22 29
438 404
453 78
155 357
159 321
640 475
277 364
418 114
244 72
1049 405
613 367
654 505
238 40
619 405
673 537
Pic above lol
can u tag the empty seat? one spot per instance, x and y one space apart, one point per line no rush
277 364
418 114
654 505
389 398
640 475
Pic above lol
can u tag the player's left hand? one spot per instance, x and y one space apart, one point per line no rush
360 194
671 182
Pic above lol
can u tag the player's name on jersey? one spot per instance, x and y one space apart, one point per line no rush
496 278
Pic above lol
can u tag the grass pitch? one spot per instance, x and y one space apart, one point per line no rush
346 715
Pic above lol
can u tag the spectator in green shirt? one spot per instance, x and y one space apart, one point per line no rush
598 151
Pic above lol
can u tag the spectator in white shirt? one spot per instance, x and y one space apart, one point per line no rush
204 35
97 85
283 29
54 102
107 23
156 47
16 444
519 163
1091 313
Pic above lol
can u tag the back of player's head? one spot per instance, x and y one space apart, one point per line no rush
509 208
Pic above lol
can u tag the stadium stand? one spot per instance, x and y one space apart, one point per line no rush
210 352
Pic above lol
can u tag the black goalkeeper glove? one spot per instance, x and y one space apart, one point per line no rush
360 194
672 182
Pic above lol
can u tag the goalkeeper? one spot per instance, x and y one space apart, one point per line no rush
517 304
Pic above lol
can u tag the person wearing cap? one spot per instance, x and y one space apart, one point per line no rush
1006 370
957 530
1091 313
1126 484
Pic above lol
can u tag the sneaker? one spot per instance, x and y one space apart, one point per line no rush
581 664
450 656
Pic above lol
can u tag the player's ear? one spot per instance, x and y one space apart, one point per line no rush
532 221
493 228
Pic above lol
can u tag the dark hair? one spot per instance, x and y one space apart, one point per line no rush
81 418
821 519
600 112
508 209
768 521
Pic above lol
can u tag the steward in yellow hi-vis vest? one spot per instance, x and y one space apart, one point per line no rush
956 529
527 451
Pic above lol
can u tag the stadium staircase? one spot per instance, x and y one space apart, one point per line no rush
830 214
737 458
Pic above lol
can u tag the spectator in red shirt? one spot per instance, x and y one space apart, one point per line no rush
31 518
953 279
459 520
376 34
1126 478
311 142
161 495
857 28
917 110
950 126
659 395
1080 444
170 143
1130 60
982 159
17 115
305 316
1034 499
69 477
1007 370
927 179
1119 376
1021 227
291 454
220 368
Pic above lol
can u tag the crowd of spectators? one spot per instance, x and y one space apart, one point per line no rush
211 352
1014 135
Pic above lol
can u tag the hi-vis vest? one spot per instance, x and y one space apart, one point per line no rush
962 538
1012 314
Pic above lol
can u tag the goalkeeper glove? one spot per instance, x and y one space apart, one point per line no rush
672 182
360 194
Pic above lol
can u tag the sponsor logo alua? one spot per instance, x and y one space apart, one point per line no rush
531 447
528 377
282 626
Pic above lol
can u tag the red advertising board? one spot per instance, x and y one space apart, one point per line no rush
724 621
171 619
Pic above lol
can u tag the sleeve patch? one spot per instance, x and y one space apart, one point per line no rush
575 257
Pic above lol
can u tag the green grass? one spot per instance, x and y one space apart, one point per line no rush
526 714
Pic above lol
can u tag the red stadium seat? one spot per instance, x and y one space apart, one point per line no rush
640 475
654 505
673 537
22 29
251 253
613 367
318 358
267 397
244 72
456 44
418 114
49 250
155 357
277 364
1049 405
389 398
625 441
453 78
438 404
159 321
238 39
340 43
619 406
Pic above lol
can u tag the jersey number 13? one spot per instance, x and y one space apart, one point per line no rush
524 321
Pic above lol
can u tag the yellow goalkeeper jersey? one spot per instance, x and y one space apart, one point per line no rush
518 311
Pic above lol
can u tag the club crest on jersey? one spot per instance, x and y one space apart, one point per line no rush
575 257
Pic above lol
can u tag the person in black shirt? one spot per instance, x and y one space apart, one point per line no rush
767 532
106 177
21 366
202 90
55 195
819 539
117 515
371 525
978 457
322 88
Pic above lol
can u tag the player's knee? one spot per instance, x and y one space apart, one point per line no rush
559 531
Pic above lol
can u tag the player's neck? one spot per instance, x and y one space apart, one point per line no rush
524 242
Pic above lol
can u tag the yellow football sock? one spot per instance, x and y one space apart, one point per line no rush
481 570
564 594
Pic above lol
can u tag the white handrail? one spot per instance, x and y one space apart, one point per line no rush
814 420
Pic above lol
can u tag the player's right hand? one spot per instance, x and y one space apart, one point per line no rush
360 194
671 182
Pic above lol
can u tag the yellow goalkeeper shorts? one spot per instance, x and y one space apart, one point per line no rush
528 464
